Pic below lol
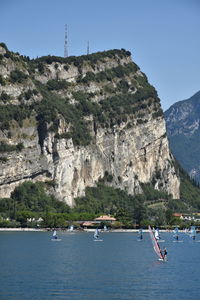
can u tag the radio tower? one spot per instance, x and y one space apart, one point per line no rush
88 48
65 45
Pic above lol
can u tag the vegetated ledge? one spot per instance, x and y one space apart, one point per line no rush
79 60
28 177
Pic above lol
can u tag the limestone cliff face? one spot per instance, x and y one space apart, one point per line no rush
83 120
130 157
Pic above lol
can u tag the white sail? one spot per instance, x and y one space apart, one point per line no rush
175 231
193 232
155 244
55 237
96 233
71 228
157 236
96 236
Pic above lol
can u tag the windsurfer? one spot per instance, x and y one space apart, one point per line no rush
96 234
140 236
164 254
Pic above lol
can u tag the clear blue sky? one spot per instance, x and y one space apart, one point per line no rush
162 35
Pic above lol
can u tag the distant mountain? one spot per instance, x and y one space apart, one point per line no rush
182 120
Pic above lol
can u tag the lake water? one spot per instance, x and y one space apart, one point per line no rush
120 267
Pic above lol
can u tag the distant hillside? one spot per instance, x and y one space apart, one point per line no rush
182 120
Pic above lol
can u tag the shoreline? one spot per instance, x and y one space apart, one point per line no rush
51 229
84 230
22 229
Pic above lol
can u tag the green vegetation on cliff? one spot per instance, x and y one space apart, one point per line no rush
189 201
189 191
123 90
78 61
12 112
50 109
9 148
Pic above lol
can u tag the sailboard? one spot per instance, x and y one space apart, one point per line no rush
96 236
156 245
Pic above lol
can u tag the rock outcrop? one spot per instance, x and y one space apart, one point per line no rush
74 121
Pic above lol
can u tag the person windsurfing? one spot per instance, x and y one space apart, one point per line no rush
193 233
96 234
140 236
156 246
55 235
176 234
164 253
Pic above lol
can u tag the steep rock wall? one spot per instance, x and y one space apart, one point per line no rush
128 149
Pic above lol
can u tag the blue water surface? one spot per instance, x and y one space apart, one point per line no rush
121 267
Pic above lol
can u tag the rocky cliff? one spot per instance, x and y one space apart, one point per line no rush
73 121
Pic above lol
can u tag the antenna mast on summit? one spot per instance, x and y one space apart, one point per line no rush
66 44
88 48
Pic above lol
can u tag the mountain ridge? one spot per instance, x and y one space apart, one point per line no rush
182 121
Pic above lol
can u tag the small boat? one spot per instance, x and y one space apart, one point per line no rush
55 237
96 236
156 246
